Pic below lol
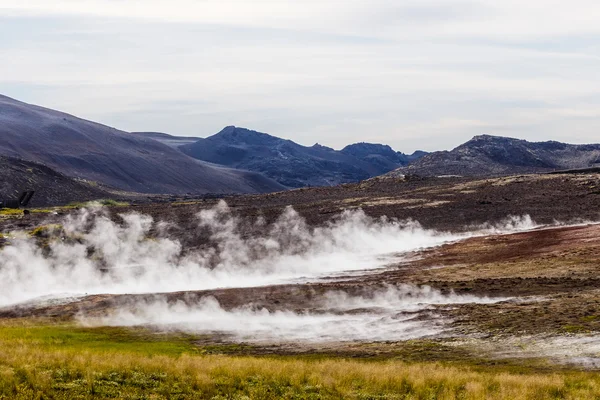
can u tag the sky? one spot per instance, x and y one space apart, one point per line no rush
422 74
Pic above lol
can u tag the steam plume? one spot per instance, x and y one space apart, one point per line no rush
92 254
391 314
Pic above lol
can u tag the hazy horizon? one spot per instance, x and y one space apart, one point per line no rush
416 75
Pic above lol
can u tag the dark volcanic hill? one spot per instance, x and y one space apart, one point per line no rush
381 155
51 187
291 164
84 149
487 155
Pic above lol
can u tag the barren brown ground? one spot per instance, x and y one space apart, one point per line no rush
446 204
554 272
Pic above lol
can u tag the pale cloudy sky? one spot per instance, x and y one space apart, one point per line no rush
422 74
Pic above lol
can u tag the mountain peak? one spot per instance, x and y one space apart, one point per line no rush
237 135
320 146
490 138
292 164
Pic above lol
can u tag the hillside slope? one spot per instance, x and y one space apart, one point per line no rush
169 140
289 163
51 187
487 155
84 149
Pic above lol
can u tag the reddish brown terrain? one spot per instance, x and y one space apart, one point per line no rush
549 275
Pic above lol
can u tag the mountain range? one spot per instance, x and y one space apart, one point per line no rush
235 160
487 155
294 165
98 153
91 159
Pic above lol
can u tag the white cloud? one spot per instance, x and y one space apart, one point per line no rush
330 71
389 17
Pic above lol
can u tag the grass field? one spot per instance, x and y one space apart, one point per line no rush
42 360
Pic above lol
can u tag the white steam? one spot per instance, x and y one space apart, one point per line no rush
393 314
95 255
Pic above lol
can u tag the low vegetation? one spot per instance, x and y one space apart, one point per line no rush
10 212
62 361
113 203
46 230
41 210
16 212
103 202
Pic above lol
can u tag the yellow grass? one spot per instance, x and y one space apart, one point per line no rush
64 362
11 211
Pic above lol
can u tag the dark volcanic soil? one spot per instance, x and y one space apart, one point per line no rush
554 272
447 204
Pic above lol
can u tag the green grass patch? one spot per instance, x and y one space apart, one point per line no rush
11 212
41 210
103 202
113 203
45 230
45 360
590 318
106 339
574 329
